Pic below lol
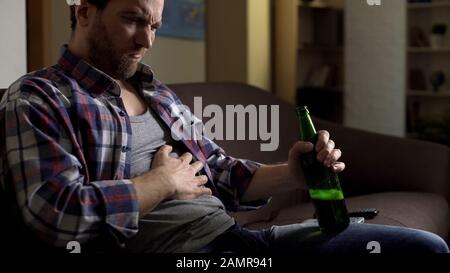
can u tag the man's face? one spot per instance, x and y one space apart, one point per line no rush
122 33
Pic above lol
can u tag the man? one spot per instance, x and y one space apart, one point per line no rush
87 150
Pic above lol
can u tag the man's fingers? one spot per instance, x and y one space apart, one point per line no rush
201 180
203 191
161 155
326 151
164 150
332 157
338 167
186 158
322 140
197 166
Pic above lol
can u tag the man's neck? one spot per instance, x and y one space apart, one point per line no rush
126 86
79 50
122 84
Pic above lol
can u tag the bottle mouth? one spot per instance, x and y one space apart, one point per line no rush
302 109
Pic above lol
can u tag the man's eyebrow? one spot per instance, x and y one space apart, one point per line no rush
133 13
140 15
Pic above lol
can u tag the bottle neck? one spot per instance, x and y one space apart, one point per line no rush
307 130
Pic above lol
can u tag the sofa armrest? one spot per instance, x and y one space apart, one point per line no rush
380 163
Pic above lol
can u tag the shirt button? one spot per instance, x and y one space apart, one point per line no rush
124 149
122 113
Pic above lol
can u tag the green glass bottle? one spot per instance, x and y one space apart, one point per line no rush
323 184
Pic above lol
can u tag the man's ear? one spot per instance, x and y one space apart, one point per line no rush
84 13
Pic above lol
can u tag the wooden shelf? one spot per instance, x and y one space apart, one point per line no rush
425 102
298 50
429 93
429 5
428 50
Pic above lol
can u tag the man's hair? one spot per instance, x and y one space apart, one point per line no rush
99 4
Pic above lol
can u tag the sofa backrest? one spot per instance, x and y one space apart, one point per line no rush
223 94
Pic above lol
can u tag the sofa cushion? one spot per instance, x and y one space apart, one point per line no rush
424 211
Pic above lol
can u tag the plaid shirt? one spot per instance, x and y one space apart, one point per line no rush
65 141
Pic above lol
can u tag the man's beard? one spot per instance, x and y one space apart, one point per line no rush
105 57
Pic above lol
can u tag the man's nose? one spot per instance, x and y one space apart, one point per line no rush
145 37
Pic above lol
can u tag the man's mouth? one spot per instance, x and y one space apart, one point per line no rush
135 56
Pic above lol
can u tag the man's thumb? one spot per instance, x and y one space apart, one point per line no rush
165 150
302 147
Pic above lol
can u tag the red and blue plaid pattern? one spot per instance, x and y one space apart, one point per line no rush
65 150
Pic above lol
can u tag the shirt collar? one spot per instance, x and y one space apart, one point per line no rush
97 82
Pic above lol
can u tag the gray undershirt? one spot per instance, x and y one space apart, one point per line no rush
148 135
174 225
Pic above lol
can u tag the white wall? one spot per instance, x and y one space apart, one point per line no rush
375 66
13 46
177 60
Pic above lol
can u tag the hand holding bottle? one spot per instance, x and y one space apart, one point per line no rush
326 153
319 168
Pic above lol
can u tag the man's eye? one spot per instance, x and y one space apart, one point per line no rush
131 20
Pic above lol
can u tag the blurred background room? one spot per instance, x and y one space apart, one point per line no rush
384 69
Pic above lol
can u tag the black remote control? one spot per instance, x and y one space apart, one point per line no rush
367 213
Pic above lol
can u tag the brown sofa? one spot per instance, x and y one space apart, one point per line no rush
407 180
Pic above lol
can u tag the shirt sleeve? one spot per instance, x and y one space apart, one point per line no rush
58 205
232 177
